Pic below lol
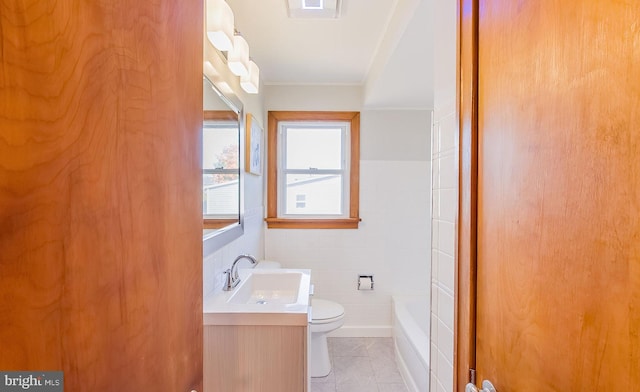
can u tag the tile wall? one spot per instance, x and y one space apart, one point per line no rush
252 242
445 200
390 244
445 197
393 240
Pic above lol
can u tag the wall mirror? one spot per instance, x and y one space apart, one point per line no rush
222 172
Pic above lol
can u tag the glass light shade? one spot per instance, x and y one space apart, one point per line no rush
220 24
238 58
251 82
209 69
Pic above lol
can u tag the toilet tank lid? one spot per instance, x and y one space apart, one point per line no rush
266 264
322 309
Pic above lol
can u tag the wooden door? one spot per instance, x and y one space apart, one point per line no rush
558 194
100 206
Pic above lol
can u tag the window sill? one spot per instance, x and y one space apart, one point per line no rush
281 223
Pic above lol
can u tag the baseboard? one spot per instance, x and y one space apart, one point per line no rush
362 331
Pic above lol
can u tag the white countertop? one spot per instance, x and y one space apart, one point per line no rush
217 310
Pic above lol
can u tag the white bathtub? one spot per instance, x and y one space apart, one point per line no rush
411 337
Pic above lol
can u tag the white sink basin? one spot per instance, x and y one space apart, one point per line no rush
263 297
268 288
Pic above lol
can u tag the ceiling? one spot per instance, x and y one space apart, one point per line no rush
385 46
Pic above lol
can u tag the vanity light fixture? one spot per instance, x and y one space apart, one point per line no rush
222 35
220 24
238 56
251 82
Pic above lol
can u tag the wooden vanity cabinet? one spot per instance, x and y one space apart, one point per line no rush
256 353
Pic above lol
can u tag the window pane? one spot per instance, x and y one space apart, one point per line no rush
220 190
220 148
319 148
220 197
322 194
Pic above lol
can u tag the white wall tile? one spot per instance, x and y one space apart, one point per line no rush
433 383
435 325
448 175
445 341
433 362
448 204
445 372
392 243
250 242
446 237
447 138
435 273
436 209
445 191
445 308
446 272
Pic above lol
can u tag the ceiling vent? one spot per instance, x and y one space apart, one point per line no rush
312 4
318 9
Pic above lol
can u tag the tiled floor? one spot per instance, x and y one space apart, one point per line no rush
361 364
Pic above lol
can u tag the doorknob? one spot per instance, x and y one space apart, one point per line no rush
486 387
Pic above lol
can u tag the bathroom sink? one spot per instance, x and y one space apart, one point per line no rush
272 287
263 297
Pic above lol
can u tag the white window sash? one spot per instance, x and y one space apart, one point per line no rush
344 172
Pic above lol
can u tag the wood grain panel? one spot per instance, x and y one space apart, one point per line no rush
255 358
465 295
559 195
100 199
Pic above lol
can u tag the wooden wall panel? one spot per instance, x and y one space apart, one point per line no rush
100 206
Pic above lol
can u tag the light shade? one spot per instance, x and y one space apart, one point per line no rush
220 24
238 57
215 78
209 69
251 82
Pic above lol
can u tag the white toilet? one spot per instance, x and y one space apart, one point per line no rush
326 316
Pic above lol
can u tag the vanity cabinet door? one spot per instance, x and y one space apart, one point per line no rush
257 358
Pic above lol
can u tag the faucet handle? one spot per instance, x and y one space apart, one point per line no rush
228 285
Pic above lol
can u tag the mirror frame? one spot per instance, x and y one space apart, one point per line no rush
215 240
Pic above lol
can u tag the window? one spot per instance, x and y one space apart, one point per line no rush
221 170
313 170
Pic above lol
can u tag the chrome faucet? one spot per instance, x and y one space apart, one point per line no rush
232 278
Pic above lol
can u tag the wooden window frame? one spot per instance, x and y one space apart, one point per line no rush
272 219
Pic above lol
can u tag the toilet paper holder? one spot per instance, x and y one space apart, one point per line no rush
366 284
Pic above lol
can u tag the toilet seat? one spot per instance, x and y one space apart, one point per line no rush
325 312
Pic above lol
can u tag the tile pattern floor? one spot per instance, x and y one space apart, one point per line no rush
361 364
